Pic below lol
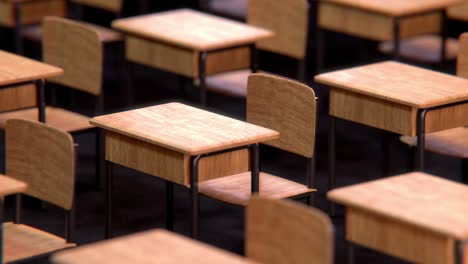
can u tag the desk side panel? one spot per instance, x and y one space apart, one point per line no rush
447 118
371 25
147 158
397 239
373 112
158 55
228 60
18 97
32 12
224 164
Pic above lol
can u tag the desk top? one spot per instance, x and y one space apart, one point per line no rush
416 198
184 128
397 7
16 69
10 186
400 83
155 246
191 29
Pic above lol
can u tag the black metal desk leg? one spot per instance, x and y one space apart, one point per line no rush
443 37
331 161
255 168
1 231
41 104
253 58
195 196
396 38
18 28
459 252
420 148
202 77
351 256
169 205
108 200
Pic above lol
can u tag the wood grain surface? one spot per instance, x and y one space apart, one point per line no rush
281 231
417 199
22 242
114 6
183 128
15 69
42 157
396 7
32 11
191 30
154 246
399 83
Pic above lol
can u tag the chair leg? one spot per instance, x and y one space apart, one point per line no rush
99 157
411 158
464 170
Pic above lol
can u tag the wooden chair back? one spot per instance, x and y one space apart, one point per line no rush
281 231
288 19
114 6
42 157
462 59
286 106
76 49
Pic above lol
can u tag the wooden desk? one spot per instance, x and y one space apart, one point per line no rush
384 20
154 246
16 70
398 98
415 216
190 43
8 186
16 13
181 144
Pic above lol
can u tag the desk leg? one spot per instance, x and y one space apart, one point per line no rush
331 162
420 148
169 206
253 58
255 168
396 38
350 255
195 196
41 100
443 37
202 76
18 28
459 252
319 51
108 200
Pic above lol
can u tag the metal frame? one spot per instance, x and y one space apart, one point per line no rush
420 148
169 205
202 66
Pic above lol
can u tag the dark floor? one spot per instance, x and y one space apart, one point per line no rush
138 198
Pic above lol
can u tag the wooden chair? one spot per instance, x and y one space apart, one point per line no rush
426 48
280 232
235 9
287 107
289 21
44 158
451 142
77 49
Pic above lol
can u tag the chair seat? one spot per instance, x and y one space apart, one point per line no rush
232 83
236 9
21 242
236 189
425 48
56 117
451 142
106 35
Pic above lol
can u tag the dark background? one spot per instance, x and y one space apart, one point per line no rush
138 198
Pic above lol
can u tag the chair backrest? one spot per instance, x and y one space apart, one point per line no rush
76 48
462 58
43 157
114 6
286 106
280 231
288 19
